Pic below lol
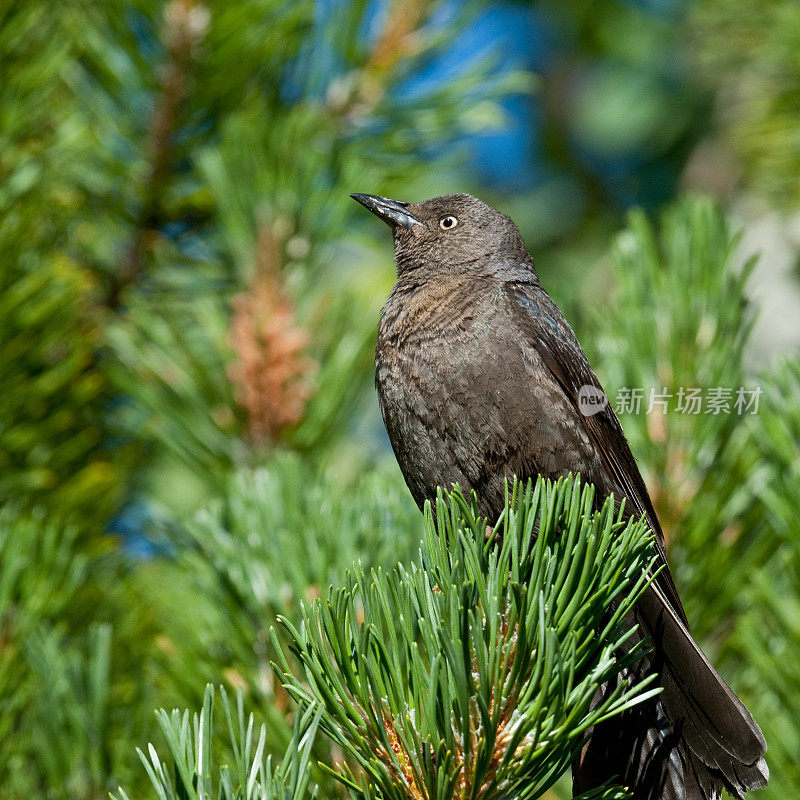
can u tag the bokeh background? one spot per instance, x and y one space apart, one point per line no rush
190 443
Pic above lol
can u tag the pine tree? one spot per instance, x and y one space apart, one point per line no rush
187 318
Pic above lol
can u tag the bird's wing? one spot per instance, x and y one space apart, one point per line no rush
722 738
545 329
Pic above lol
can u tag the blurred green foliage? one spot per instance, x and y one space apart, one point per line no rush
750 53
175 232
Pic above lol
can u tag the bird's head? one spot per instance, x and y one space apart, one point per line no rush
452 234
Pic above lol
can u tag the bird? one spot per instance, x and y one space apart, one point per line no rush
480 379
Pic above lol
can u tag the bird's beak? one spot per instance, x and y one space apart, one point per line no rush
392 212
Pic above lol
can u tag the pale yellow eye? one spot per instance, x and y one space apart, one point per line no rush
447 223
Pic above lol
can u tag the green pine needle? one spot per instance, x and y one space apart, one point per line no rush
472 673
249 777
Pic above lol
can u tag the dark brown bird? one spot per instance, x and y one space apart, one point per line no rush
480 378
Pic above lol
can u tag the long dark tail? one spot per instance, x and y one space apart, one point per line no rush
690 742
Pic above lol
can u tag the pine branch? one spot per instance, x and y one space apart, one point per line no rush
472 673
760 646
74 687
250 776
185 24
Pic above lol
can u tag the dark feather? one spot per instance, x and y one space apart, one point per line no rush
698 714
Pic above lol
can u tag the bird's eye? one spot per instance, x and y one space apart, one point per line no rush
446 223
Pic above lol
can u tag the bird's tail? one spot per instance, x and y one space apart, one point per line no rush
691 741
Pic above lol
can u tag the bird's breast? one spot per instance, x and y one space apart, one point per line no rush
442 337
467 399
436 357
